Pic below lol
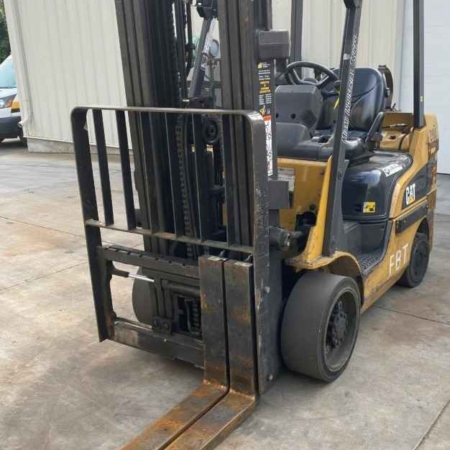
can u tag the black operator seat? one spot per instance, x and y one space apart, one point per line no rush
367 112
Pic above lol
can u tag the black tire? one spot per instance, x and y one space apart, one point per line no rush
143 300
317 340
418 265
23 140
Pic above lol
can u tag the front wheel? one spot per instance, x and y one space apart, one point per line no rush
320 325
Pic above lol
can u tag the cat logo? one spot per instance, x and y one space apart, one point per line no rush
370 207
410 194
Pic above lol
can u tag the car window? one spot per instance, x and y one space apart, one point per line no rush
7 74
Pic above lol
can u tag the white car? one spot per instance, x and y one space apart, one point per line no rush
9 103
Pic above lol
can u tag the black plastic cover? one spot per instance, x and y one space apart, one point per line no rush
368 187
298 112
299 104
273 44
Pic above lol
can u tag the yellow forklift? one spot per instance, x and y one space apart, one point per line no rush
274 208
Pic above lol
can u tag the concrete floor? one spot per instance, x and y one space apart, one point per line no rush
61 389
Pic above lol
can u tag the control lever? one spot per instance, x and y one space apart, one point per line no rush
374 135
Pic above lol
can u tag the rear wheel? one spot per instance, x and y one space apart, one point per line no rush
320 325
418 265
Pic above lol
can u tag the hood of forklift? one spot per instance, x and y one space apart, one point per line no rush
368 187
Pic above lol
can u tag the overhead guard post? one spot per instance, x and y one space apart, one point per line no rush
419 56
347 73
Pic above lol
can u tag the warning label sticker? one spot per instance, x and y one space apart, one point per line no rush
265 89
265 108
392 169
370 208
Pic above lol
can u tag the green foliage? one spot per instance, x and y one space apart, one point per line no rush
5 49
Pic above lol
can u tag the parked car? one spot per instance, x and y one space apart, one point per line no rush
9 102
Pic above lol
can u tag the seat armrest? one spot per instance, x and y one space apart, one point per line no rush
374 135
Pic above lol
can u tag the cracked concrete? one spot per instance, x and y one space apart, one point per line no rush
61 389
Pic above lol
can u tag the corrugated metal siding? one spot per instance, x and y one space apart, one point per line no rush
72 55
73 58
437 67
324 23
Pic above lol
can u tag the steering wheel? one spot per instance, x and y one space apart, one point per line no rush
292 76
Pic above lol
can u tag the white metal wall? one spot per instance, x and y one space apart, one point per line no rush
437 68
70 51
324 23
71 55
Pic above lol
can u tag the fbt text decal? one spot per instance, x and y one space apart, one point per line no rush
398 260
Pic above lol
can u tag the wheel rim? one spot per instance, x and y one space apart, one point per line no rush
341 332
419 261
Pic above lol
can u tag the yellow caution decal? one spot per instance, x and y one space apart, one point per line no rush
370 207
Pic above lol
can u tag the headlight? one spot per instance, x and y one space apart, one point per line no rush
5 103
15 106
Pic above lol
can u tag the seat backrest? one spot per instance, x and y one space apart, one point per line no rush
369 99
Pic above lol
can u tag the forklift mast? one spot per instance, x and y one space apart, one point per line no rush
205 198
156 73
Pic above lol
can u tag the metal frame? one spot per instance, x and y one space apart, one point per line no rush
296 30
255 132
242 78
334 223
419 64
206 37
146 32
230 290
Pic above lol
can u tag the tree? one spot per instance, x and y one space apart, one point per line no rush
5 48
